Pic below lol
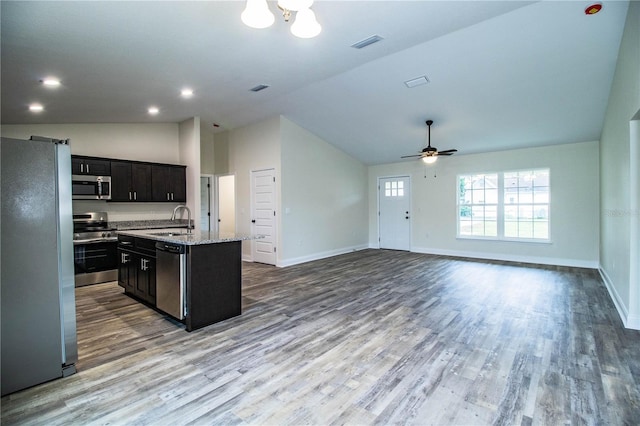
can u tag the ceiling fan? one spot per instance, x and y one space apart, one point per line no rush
430 154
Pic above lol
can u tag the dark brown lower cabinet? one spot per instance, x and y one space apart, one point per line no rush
214 283
137 267
126 269
213 280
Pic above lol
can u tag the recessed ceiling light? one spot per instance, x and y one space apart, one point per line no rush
50 82
153 110
186 93
36 108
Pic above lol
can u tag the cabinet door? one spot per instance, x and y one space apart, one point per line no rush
121 181
178 184
126 270
141 181
151 289
97 167
142 278
160 178
77 166
90 166
169 183
145 287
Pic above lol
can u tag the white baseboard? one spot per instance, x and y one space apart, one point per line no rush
633 322
629 321
317 256
576 263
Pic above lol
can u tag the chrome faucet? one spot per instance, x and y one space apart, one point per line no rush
182 206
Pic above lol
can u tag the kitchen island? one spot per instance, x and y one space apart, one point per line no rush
193 276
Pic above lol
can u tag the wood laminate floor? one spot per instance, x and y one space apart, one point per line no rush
371 337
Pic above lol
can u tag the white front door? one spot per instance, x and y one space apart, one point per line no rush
263 215
394 207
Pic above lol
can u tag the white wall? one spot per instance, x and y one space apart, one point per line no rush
221 152
323 198
155 142
617 262
253 147
207 151
189 154
574 204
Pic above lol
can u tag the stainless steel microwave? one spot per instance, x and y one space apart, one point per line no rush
85 187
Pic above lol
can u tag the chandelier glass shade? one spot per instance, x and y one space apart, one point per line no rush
257 15
305 25
430 159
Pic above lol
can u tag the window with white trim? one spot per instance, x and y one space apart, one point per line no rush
508 205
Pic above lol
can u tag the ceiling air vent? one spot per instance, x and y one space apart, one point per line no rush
367 42
259 87
414 82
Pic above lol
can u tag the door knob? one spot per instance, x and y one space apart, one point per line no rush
253 221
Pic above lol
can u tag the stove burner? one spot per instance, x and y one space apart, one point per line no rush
92 227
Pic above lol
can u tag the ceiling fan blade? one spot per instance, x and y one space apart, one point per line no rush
411 156
447 152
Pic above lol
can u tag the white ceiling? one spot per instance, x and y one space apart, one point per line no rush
503 74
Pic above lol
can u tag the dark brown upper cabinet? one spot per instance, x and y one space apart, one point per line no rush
168 183
130 181
93 166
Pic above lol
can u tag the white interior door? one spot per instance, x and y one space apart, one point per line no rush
226 204
263 215
394 207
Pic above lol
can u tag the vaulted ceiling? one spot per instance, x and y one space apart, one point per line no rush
501 74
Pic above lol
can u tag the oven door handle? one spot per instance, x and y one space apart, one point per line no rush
94 241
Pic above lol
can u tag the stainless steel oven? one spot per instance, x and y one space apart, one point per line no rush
85 187
95 249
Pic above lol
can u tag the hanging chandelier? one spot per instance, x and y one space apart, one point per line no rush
257 15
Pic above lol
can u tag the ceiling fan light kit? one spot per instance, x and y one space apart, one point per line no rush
257 15
429 155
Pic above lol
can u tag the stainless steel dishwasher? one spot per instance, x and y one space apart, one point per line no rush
171 274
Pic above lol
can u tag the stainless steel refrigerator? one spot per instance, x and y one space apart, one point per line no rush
37 276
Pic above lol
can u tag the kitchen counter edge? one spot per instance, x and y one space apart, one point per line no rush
195 238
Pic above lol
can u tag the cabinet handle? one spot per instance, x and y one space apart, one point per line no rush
124 258
172 196
129 195
135 195
81 167
87 168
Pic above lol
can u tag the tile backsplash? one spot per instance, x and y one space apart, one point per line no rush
127 211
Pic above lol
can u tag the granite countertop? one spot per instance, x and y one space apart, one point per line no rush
125 225
180 236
